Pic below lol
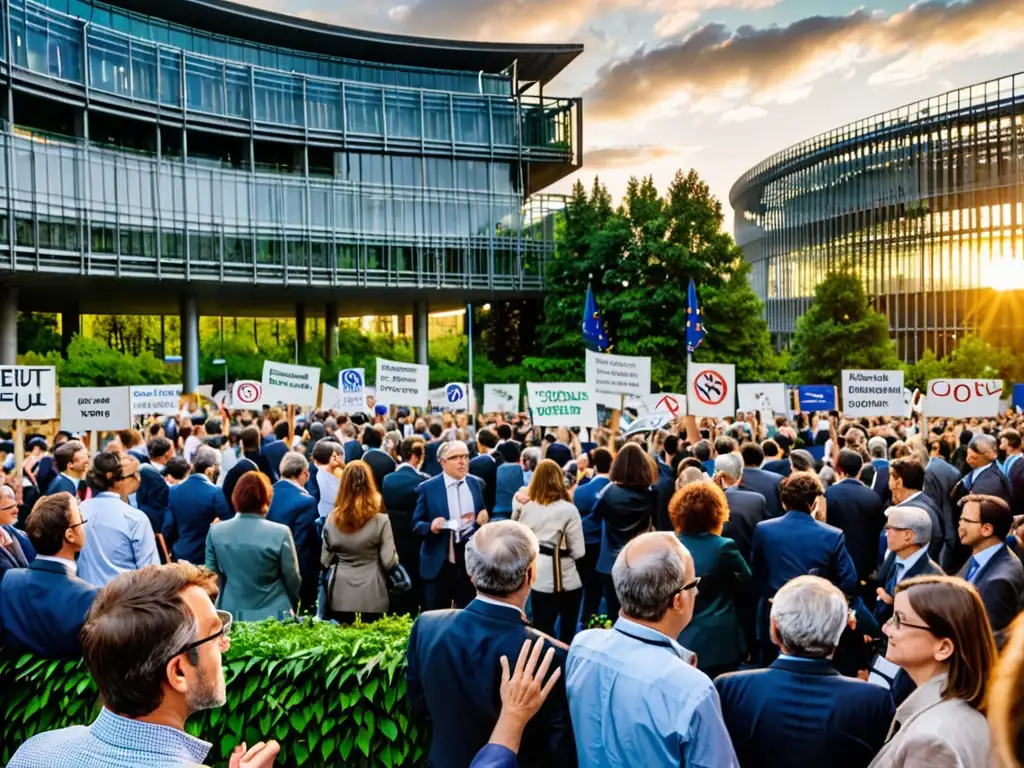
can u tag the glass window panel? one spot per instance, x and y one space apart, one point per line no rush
238 95
363 110
323 106
144 71
403 112
436 118
170 79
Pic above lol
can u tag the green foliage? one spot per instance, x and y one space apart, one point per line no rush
91 363
329 695
37 332
928 367
971 358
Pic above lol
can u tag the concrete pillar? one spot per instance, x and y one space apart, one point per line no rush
331 331
300 333
420 332
190 343
70 324
8 325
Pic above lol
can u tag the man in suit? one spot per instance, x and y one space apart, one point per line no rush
939 479
381 464
72 459
153 494
350 441
275 450
43 607
746 508
449 510
774 460
907 533
906 484
1013 467
997 574
194 506
485 465
856 510
985 478
878 449
399 494
250 439
758 480
15 549
430 463
452 658
507 447
293 506
585 498
800 712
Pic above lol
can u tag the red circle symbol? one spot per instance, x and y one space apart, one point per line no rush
710 387
668 403
249 393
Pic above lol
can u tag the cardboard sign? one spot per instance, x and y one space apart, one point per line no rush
873 393
247 395
402 383
666 402
816 397
330 398
562 405
618 374
456 397
28 392
762 397
501 398
963 398
352 385
156 399
104 409
650 423
710 389
290 384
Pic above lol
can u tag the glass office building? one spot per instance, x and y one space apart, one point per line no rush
925 203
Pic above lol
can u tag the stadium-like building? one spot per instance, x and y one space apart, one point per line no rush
925 202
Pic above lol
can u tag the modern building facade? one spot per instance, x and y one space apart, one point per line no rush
207 157
925 203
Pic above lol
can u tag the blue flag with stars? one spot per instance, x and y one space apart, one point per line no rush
694 326
593 327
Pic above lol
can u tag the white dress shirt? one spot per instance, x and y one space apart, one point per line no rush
460 502
69 565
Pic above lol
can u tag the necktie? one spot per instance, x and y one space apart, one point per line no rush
972 568
894 578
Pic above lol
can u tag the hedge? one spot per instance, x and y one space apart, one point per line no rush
330 695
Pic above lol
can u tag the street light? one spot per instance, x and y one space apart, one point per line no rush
222 361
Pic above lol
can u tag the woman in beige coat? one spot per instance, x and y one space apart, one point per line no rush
940 635
547 509
358 548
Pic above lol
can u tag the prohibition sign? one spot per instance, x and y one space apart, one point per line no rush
249 392
710 387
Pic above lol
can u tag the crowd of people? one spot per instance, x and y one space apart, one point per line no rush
812 591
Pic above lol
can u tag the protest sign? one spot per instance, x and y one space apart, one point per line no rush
651 423
330 398
873 393
28 392
402 383
963 398
156 399
816 397
247 394
290 384
562 405
104 409
710 389
352 385
666 402
618 374
1018 396
456 397
762 397
501 398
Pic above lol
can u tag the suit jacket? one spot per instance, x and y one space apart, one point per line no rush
312 486
381 464
242 467
1016 478
939 479
857 511
495 756
1000 583
510 478
353 451
42 608
585 498
21 553
274 451
430 463
665 488
399 494
453 677
625 514
781 467
485 467
765 483
153 496
746 510
821 552
62 484
880 481
925 566
801 713
294 507
924 501
431 503
46 472
991 482
194 504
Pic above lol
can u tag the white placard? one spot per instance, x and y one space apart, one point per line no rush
247 394
330 398
290 384
873 393
402 383
562 405
501 398
104 409
711 389
155 399
963 398
666 402
28 392
618 374
352 384
761 397
455 397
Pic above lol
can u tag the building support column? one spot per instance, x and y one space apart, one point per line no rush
190 344
331 331
420 332
300 334
70 324
8 325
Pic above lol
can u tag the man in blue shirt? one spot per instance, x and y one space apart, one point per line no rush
635 695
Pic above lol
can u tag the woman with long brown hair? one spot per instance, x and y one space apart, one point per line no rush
358 548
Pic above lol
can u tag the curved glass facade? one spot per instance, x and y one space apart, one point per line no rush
925 203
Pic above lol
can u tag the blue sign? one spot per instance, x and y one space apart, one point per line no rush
1018 396
454 393
351 381
817 397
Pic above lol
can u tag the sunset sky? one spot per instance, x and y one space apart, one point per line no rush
718 85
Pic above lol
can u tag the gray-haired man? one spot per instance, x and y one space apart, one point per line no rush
746 508
908 532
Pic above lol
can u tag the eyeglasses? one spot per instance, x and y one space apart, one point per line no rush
459 457
686 587
225 631
75 525
899 624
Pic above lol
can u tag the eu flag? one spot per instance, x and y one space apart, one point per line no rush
593 327
694 327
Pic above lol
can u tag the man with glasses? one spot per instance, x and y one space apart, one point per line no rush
153 643
449 509
908 532
43 607
15 549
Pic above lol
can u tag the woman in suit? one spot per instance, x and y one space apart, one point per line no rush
359 549
254 558
939 634
626 509
552 516
715 634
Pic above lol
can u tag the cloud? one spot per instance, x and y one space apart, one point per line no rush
743 114
632 156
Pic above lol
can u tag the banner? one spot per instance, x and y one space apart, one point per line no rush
963 398
873 393
352 383
456 397
762 397
156 399
1018 396
666 402
618 374
247 395
330 398
816 397
501 398
710 389
562 405
402 383
651 423
290 384
91 409
28 392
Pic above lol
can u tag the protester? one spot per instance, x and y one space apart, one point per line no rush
1010 446
746 508
906 486
329 460
756 479
195 505
72 462
856 510
294 507
15 549
399 496
177 471
153 497
907 532
485 465
250 439
585 498
379 460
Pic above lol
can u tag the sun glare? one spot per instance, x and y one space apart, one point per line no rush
1003 274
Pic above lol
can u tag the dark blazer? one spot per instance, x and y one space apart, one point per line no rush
510 478
510 451
296 508
925 566
665 489
21 554
585 499
62 484
1016 478
1000 583
453 677
312 486
194 504
801 713
274 452
243 466
431 503
381 464
991 482
765 483
399 494
257 458
780 467
821 552
485 467
746 510
430 463
153 496
880 480
353 451
939 479
857 511
46 472
42 608
924 501
625 514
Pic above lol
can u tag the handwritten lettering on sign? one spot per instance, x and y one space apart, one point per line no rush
959 398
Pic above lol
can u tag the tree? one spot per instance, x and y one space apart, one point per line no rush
928 367
840 331
37 332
